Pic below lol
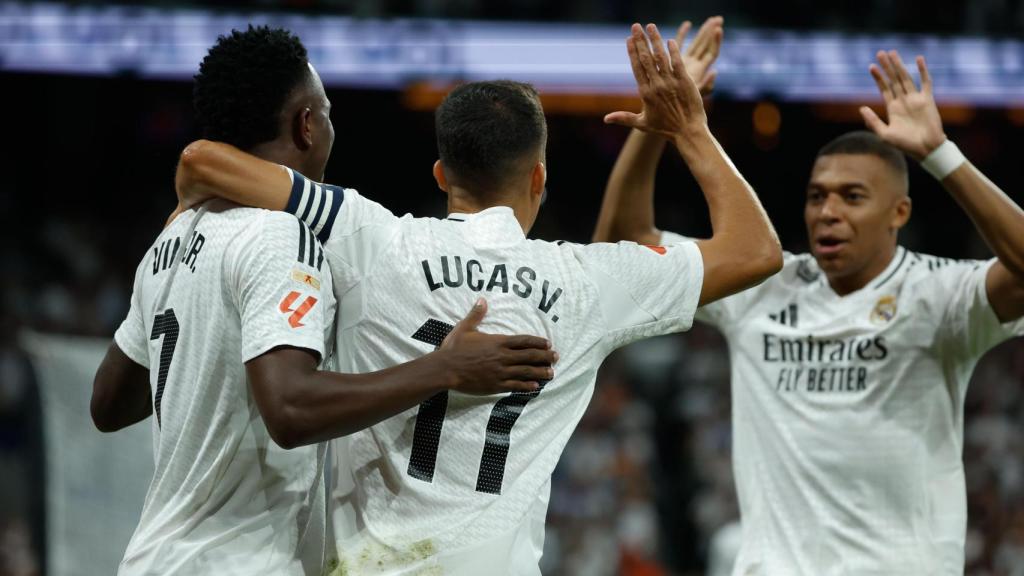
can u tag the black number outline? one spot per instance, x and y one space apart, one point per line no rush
165 324
430 421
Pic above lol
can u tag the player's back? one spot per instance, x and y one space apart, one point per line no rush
224 498
460 484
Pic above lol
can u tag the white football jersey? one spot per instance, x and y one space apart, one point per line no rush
460 484
848 415
220 286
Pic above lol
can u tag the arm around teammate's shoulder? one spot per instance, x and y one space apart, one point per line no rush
209 169
213 169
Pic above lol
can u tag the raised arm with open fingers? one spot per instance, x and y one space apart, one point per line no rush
627 211
744 249
914 123
915 126
701 54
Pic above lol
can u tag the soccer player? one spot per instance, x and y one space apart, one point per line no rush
849 368
229 317
460 485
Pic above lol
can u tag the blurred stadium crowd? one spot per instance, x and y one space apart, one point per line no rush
645 485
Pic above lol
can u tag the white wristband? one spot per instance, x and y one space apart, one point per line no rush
943 160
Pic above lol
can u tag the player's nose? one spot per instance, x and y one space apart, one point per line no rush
831 208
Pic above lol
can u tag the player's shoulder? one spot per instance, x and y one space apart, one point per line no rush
255 231
798 271
224 215
573 252
628 261
928 268
353 200
253 221
924 264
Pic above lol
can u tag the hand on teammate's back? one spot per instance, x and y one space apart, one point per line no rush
672 104
914 126
484 364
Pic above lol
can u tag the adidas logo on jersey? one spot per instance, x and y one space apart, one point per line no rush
786 316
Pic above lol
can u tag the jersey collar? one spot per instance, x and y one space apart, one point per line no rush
495 223
898 262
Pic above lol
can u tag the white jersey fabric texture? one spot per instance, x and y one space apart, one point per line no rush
220 286
460 484
848 415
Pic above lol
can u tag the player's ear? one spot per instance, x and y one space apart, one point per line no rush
442 182
901 213
538 178
302 128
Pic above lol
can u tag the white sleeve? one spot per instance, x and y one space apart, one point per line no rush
131 336
282 286
718 313
969 327
729 311
353 229
644 290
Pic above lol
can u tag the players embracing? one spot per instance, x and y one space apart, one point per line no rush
460 485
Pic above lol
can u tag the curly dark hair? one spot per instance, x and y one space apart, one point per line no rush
243 82
485 128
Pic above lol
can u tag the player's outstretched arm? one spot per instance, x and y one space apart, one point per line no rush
120 392
213 169
627 211
915 127
302 406
743 249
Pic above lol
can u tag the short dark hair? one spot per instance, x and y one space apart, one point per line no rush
244 81
865 142
485 128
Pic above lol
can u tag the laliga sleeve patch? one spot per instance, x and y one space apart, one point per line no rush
297 313
305 278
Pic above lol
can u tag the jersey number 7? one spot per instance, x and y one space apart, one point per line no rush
430 420
165 325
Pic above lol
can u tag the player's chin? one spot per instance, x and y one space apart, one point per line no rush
832 264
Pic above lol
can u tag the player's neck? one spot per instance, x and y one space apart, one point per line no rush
461 201
848 284
285 154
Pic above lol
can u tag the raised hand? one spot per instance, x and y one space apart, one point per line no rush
702 52
491 363
671 102
914 125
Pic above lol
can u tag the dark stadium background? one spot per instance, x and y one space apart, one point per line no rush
646 480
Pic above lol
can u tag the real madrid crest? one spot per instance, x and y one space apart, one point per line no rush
885 310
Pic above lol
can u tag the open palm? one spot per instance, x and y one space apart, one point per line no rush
671 101
914 125
702 52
